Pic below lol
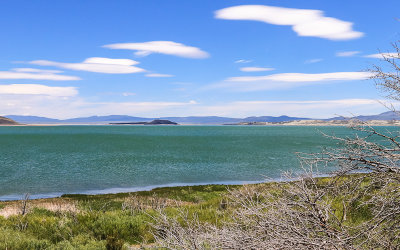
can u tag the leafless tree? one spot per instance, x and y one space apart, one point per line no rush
24 205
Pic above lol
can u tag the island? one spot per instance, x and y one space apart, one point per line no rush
154 122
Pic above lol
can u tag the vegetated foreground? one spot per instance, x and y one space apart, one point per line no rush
108 221
206 216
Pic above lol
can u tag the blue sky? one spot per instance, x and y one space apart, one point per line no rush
153 58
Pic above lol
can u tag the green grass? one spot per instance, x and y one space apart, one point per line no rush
100 221
107 221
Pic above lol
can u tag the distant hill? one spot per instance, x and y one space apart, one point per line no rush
206 120
32 119
7 121
202 120
80 120
386 116
154 122
107 119
282 118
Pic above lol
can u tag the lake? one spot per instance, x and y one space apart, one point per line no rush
48 161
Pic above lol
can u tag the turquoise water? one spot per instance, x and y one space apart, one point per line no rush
49 161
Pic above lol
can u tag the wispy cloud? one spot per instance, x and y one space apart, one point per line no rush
158 75
382 55
97 64
243 61
37 89
36 74
315 60
31 70
305 22
285 80
255 69
347 53
128 94
161 47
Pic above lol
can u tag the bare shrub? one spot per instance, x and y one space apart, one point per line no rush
24 205
295 215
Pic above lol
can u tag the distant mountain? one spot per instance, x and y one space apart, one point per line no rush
282 118
228 120
202 120
7 121
386 116
32 119
206 120
154 122
80 120
107 119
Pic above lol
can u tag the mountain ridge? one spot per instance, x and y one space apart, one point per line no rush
206 120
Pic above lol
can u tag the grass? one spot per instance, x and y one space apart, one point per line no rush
106 221
116 221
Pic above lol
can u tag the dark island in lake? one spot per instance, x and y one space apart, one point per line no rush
154 122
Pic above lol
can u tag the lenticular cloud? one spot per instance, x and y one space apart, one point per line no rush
303 21
161 47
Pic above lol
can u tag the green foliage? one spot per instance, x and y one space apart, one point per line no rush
101 222
11 239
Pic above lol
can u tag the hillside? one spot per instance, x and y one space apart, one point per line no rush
7 121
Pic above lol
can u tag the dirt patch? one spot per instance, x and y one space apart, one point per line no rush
54 206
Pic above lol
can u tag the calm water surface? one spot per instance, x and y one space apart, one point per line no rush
49 161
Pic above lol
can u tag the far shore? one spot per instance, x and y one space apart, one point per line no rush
289 123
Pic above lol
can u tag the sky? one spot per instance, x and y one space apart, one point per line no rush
158 58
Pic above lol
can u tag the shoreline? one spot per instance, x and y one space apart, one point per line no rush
94 192
16 197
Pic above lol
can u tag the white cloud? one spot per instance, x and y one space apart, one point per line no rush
304 22
161 47
243 61
110 61
97 64
285 80
128 94
347 53
316 60
37 89
255 69
382 55
31 70
158 75
36 74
